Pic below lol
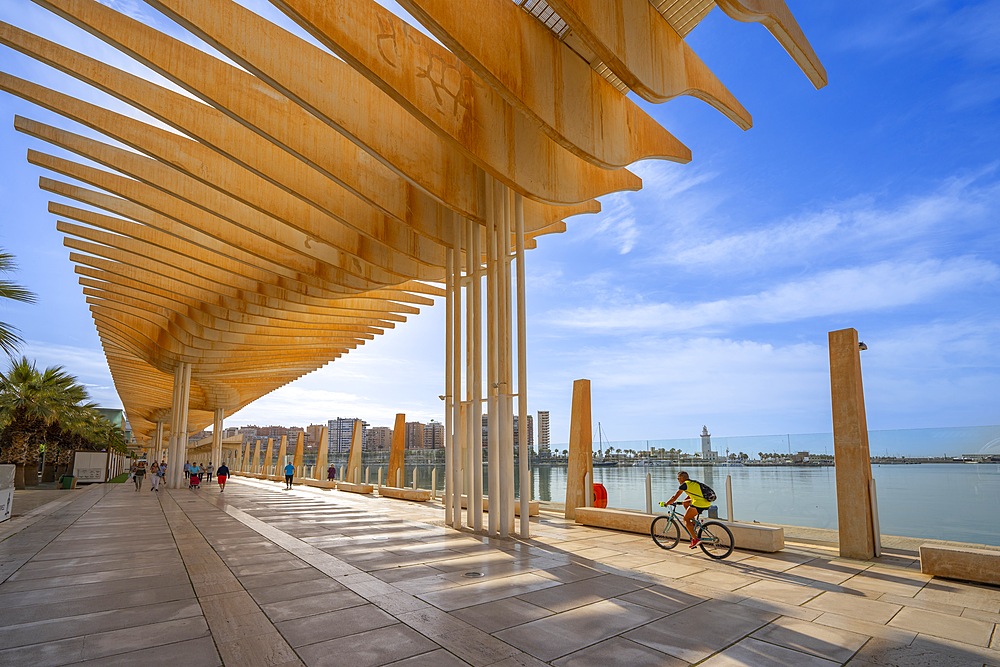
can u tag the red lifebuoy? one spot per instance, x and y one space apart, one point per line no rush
600 496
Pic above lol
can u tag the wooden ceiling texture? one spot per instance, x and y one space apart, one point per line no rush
296 201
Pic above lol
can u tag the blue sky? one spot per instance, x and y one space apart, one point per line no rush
705 298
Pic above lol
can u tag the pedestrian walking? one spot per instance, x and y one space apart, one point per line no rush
154 477
138 473
222 475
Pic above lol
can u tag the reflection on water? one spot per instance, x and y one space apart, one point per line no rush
941 501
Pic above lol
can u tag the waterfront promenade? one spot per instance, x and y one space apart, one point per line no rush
262 576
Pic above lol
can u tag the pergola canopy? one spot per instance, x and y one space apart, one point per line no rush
304 200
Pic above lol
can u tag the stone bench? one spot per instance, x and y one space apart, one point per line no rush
750 536
317 483
534 506
963 563
350 487
416 495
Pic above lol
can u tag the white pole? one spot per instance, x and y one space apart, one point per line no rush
729 498
875 527
458 478
522 370
449 391
649 493
414 478
380 476
492 375
434 483
476 379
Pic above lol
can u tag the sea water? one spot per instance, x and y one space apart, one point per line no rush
939 501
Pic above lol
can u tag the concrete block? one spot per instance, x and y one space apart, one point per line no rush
417 495
964 563
534 506
350 487
749 536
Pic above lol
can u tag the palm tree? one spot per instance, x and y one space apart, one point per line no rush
32 403
9 340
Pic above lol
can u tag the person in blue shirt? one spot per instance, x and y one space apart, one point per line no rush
289 474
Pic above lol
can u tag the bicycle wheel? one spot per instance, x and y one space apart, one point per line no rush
716 539
665 532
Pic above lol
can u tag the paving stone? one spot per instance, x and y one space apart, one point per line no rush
699 631
854 606
618 651
368 649
567 596
285 610
560 634
753 652
967 630
493 616
805 637
333 624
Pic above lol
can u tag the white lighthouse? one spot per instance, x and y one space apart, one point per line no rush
707 453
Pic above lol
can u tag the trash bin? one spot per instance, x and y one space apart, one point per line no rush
67 482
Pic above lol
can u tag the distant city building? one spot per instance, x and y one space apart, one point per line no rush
378 438
531 438
433 435
707 453
414 435
341 430
543 433
314 432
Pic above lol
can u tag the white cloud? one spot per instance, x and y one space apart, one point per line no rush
880 286
861 226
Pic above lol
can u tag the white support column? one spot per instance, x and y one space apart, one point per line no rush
475 381
182 435
456 369
216 457
475 511
450 441
522 372
492 369
174 460
158 447
507 382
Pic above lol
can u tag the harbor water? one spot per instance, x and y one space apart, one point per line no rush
937 501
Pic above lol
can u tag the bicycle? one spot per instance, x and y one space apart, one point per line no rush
715 538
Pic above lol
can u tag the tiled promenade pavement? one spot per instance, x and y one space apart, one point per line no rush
262 576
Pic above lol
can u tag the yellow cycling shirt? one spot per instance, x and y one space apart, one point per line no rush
693 489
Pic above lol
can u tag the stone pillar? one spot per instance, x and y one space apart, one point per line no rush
158 447
268 458
216 457
581 444
300 447
353 472
323 453
279 466
254 468
850 447
397 455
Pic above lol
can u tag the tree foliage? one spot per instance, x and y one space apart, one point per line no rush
49 408
9 340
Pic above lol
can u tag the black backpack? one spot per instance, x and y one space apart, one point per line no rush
707 492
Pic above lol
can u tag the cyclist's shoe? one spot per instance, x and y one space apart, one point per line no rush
694 543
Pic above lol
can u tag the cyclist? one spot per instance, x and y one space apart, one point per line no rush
695 502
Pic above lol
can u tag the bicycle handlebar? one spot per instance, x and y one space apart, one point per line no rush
663 504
